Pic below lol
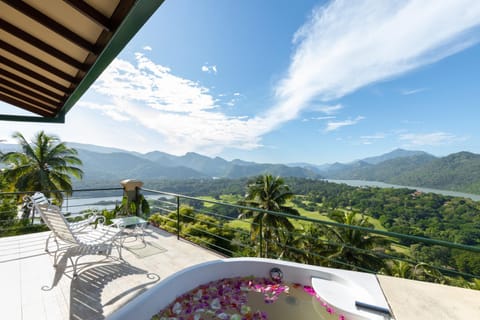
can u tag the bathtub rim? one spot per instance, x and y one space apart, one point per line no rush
147 304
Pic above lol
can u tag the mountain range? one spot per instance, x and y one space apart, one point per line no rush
107 164
458 171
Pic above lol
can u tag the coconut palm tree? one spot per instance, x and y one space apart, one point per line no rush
355 247
271 194
45 164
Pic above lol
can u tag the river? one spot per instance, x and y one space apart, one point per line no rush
362 183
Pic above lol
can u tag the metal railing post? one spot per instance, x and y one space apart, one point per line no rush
261 238
137 201
178 218
33 214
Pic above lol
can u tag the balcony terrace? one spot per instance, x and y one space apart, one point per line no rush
33 289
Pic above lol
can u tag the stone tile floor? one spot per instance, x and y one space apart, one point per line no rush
30 288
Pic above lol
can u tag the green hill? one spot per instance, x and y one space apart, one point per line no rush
457 172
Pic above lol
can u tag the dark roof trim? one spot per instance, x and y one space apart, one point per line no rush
118 29
136 18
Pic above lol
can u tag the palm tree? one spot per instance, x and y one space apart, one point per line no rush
399 269
271 194
356 248
45 164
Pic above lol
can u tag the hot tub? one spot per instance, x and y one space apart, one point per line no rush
354 295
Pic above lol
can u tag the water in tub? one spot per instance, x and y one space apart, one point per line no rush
249 298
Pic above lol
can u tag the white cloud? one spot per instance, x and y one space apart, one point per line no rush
318 118
112 111
147 48
323 118
428 139
209 69
330 109
346 45
335 125
413 91
183 112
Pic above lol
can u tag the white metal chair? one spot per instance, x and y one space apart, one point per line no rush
40 198
100 240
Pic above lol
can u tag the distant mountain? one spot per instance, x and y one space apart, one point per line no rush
117 165
330 168
397 153
214 167
458 171
122 165
94 148
314 167
385 171
160 157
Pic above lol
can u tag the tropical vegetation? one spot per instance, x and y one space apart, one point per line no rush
306 220
344 242
45 164
268 193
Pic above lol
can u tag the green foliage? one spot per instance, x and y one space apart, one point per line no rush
8 211
355 247
133 207
459 172
199 228
200 187
45 164
268 193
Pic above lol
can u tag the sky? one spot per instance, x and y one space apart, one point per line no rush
283 81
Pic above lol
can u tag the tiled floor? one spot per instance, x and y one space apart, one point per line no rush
32 289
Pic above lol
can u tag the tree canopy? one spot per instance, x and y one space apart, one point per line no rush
44 164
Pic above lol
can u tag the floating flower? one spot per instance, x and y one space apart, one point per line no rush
215 304
223 316
227 299
177 308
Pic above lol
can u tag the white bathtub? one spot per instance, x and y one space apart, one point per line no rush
341 289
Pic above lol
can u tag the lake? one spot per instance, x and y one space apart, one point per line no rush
362 183
76 205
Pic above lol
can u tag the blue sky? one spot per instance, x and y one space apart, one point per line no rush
288 81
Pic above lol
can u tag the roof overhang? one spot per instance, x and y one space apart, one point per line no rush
52 51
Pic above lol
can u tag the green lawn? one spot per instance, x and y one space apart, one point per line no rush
243 224
298 224
225 198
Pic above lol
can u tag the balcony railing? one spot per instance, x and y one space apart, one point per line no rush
215 225
16 218
312 241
